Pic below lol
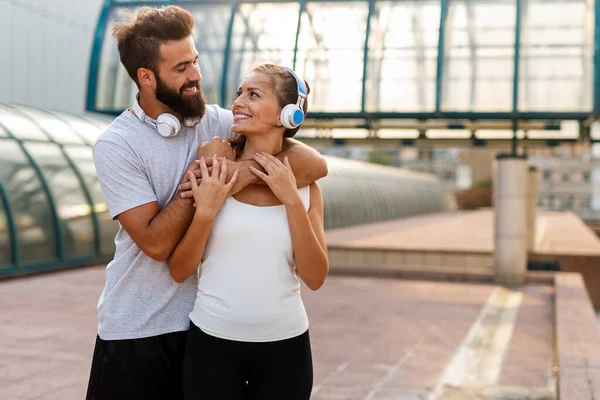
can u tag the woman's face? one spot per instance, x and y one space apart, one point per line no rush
256 109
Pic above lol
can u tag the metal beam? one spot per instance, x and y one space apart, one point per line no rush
473 47
96 55
441 54
596 89
363 98
515 103
226 52
419 59
428 143
300 12
536 115
12 227
452 115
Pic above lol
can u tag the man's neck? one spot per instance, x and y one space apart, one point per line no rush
153 108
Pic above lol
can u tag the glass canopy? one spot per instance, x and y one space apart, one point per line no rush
52 213
51 210
388 59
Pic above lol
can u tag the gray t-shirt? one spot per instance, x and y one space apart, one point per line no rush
135 166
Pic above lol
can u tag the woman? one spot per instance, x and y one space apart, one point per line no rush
249 336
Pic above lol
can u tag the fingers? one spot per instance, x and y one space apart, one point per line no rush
216 167
232 181
259 173
286 162
204 168
273 159
223 174
186 188
264 162
192 180
186 185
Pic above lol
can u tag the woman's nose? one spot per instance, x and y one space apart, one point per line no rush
238 103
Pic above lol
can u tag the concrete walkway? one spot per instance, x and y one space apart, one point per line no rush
373 339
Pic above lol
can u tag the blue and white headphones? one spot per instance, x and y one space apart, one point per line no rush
292 115
167 125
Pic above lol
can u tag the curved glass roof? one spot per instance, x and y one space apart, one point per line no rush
387 59
52 213
51 210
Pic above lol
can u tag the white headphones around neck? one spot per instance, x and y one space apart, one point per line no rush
292 115
166 124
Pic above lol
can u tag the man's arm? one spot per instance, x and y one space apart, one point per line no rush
132 201
307 164
156 231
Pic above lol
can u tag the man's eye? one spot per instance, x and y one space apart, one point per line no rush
181 70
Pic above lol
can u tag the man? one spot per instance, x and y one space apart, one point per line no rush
143 312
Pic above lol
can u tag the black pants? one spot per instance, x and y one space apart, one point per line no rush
220 369
145 369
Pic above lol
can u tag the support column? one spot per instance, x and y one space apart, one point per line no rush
510 241
480 161
532 197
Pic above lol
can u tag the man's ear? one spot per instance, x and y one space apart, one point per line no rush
146 78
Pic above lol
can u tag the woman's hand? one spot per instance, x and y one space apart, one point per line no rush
212 191
278 176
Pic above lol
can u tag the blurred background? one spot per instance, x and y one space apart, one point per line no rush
411 100
463 146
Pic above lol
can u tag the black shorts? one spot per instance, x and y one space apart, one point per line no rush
145 369
220 369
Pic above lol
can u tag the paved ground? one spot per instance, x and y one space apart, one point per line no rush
558 232
373 339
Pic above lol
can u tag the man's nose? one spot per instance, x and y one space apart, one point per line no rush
195 75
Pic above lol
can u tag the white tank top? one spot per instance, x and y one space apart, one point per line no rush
248 288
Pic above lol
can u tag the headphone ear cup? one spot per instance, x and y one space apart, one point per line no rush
167 125
291 116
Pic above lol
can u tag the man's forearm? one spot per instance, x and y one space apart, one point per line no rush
307 163
168 227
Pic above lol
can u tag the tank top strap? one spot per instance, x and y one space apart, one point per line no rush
305 195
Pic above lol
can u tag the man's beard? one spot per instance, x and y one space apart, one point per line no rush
189 106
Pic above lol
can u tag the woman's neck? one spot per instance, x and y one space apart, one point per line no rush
270 145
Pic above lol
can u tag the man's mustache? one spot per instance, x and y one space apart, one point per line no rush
189 86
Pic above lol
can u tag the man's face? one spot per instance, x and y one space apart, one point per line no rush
178 79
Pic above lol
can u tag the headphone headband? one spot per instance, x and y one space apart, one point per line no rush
292 115
299 82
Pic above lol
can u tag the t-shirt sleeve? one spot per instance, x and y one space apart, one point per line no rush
223 123
123 180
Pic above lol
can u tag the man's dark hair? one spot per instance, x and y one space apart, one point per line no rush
140 38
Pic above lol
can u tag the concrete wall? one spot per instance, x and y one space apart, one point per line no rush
45 48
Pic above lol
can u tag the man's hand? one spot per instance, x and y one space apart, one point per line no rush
216 146
245 178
